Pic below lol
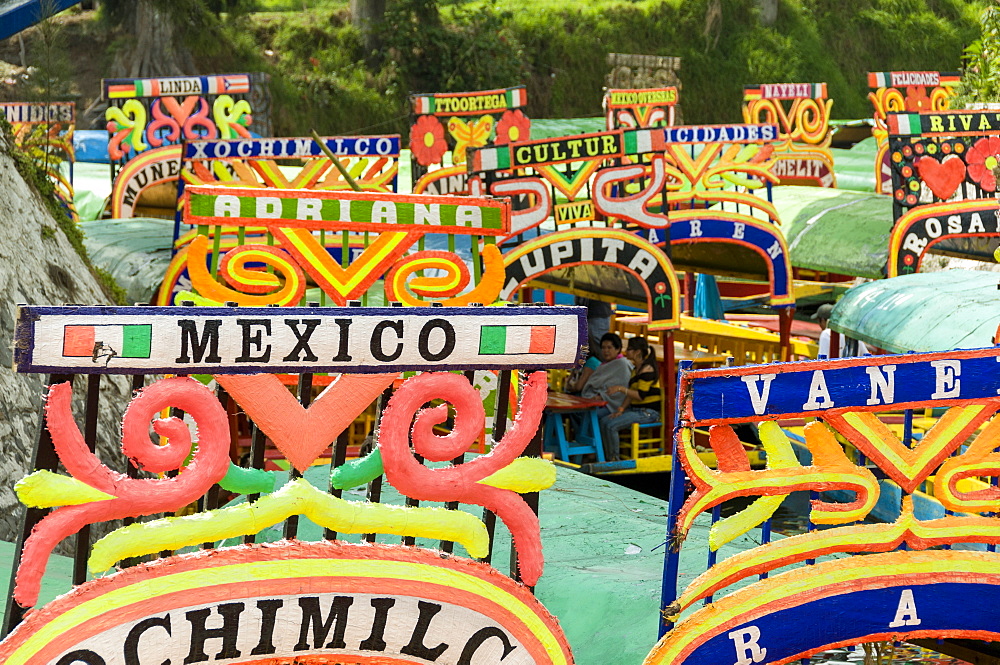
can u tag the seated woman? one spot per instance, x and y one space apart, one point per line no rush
611 348
613 371
642 397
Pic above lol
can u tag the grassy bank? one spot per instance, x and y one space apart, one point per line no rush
323 76
558 50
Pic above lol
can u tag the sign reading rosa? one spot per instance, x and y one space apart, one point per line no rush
294 600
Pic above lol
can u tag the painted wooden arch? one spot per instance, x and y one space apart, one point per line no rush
692 227
158 166
374 595
596 246
891 596
921 228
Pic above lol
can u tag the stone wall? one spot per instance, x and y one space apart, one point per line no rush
39 266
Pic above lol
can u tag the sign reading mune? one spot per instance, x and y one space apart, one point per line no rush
232 340
345 210
652 96
721 133
292 148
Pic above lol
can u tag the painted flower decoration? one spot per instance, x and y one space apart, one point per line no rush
917 99
514 126
982 160
427 140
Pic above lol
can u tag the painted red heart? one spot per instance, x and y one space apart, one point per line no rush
943 178
303 434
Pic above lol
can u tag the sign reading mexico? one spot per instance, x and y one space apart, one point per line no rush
231 340
308 602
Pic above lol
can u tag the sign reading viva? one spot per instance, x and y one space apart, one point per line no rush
231 340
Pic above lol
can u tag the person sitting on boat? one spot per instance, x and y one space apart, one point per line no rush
822 316
641 403
613 372
610 349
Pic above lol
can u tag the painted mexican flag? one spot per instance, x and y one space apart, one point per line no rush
513 340
127 341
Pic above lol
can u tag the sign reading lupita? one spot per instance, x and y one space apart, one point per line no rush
294 339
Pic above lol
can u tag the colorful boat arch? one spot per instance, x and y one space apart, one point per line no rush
921 228
942 186
763 238
595 246
371 593
153 167
891 596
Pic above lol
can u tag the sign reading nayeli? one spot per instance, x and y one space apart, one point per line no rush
785 91
244 341
356 211
295 600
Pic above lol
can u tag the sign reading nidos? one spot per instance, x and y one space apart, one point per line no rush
253 340
346 210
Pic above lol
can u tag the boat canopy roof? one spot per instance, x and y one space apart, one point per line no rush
835 230
934 311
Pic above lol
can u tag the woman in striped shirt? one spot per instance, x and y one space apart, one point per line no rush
642 397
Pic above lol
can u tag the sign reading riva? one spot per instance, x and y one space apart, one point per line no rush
232 340
360 211
949 123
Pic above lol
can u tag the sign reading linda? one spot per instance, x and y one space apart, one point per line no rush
355 211
234 340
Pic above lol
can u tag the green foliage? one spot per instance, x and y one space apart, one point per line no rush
473 49
36 179
981 63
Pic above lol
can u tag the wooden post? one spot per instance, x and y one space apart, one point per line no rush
689 287
668 382
785 316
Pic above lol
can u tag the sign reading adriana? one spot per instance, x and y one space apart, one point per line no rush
356 211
